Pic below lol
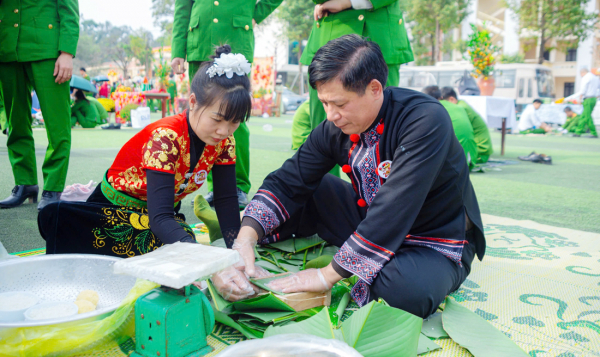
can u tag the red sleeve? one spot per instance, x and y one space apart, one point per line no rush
227 156
161 151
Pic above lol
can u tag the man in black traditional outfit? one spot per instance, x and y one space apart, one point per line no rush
408 226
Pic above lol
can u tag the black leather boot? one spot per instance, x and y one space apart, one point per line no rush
47 198
19 194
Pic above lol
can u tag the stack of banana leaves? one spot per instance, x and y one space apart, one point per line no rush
254 315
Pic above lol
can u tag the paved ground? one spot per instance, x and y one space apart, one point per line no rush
566 194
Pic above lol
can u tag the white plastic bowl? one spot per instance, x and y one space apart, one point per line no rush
51 310
14 303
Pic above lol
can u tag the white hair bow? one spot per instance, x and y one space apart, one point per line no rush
228 64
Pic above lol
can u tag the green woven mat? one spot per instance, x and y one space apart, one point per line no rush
540 285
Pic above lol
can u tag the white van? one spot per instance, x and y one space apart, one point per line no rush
520 81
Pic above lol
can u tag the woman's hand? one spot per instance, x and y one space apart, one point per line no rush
332 6
244 244
232 284
313 280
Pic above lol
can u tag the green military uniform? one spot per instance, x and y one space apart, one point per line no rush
102 113
586 119
463 130
571 123
33 33
481 133
172 90
84 112
383 24
2 113
201 25
301 125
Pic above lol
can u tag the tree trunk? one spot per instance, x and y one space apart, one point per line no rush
542 34
436 46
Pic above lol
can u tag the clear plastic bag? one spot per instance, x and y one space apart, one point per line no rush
290 345
76 337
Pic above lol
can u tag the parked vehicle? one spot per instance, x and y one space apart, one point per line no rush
291 101
521 81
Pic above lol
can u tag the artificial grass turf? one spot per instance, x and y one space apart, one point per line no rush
565 194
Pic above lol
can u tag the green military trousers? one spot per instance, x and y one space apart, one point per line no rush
586 117
242 147
17 79
317 112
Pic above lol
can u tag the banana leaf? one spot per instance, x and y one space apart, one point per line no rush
320 262
269 266
262 302
318 325
330 250
295 245
339 312
220 304
290 267
262 283
433 328
376 329
266 316
226 320
476 334
426 345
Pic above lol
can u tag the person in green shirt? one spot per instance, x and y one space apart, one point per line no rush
461 124
572 122
102 117
480 128
301 125
379 20
83 112
201 25
172 90
3 123
83 73
38 43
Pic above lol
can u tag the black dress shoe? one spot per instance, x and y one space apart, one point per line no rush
533 157
47 198
242 199
546 159
19 194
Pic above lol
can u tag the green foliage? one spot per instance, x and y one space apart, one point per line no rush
516 58
126 111
554 19
481 51
140 47
431 23
162 70
163 12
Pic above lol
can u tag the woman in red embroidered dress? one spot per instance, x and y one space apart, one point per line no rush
135 208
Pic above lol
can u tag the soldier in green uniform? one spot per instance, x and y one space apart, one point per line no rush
172 90
379 20
83 111
460 123
2 116
480 128
39 39
201 25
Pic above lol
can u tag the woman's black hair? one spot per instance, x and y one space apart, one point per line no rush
79 95
234 93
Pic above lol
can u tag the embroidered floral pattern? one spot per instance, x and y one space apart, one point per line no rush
364 162
362 257
451 249
263 214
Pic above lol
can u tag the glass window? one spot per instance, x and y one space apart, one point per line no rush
569 89
571 55
449 78
545 82
529 88
547 55
505 78
424 79
521 87
406 79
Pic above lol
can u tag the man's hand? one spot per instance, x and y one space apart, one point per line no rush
245 244
253 23
313 280
178 65
332 6
233 285
63 68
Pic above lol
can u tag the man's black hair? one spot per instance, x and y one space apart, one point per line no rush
82 69
433 91
352 59
568 109
537 100
234 92
448 92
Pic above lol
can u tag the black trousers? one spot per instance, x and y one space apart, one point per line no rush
417 279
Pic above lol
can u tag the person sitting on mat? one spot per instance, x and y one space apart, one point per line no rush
460 123
480 130
135 208
82 111
530 123
408 225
